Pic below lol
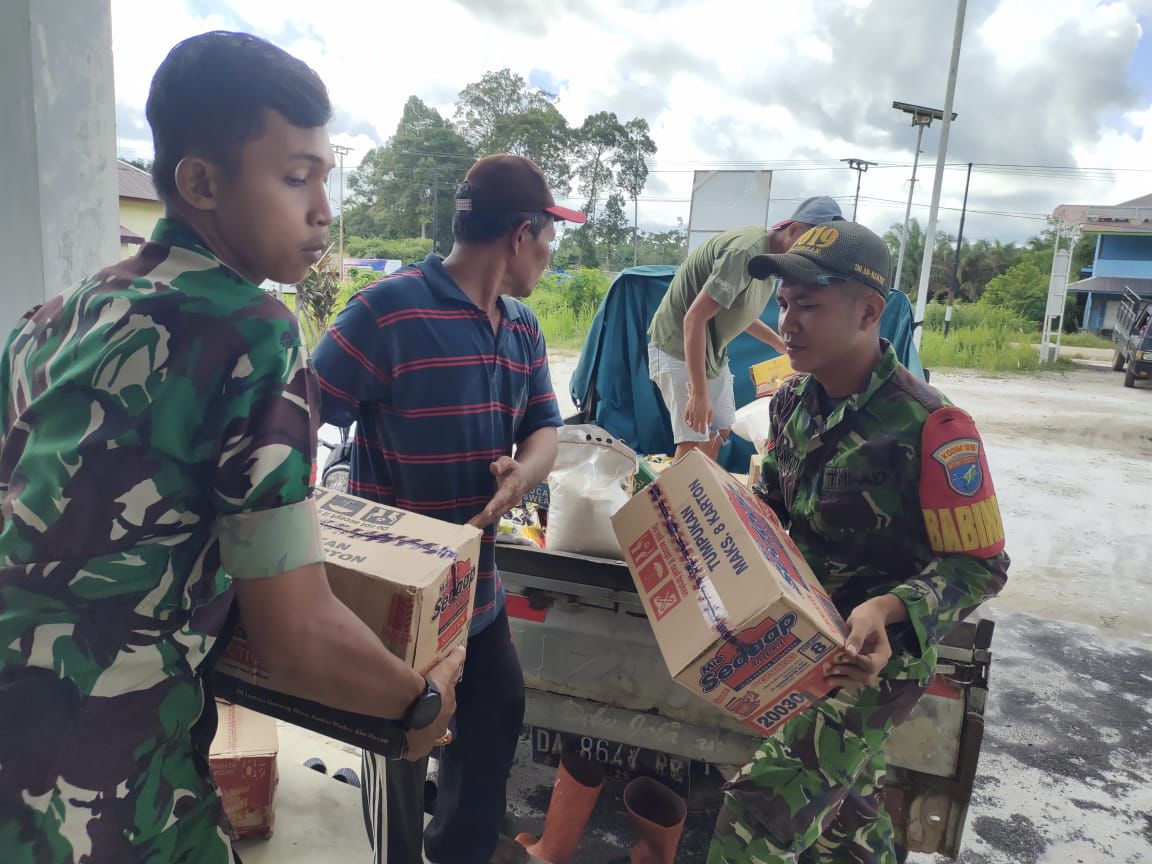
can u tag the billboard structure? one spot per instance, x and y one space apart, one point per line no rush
1124 219
722 200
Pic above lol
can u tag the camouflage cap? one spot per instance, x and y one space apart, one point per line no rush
832 252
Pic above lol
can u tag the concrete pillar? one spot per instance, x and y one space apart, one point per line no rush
58 214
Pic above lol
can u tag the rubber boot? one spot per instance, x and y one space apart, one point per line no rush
578 784
658 815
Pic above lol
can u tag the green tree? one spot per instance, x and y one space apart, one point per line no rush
500 113
584 241
1022 290
941 268
632 169
1083 255
542 135
664 247
405 188
406 249
597 141
914 259
611 230
913 254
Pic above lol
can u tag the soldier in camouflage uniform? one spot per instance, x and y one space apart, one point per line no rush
155 457
885 488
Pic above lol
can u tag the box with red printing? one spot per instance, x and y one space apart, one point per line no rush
243 761
740 618
410 578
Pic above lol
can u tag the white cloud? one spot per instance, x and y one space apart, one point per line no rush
1041 82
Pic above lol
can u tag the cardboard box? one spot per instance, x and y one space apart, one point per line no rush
755 471
410 578
740 618
243 760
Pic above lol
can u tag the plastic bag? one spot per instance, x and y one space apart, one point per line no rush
753 423
591 480
521 526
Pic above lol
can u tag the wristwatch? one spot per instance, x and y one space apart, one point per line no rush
424 709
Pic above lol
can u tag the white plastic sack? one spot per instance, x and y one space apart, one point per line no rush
592 479
753 423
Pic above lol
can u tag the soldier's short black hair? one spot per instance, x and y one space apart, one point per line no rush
207 99
470 227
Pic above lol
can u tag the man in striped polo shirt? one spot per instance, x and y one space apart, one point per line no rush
444 371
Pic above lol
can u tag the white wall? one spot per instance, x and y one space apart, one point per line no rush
58 219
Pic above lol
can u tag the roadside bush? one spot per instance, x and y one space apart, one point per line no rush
566 302
969 315
985 348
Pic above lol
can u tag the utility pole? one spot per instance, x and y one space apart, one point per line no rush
435 201
859 166
938 182
340 150
956 256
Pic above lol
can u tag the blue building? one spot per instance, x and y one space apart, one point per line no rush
1123 257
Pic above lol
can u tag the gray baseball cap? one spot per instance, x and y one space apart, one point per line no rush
833 252
813 211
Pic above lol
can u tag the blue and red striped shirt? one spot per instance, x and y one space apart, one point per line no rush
437 396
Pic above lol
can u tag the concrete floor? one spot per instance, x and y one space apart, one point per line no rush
318 819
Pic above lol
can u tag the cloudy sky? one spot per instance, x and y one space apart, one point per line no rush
1061 86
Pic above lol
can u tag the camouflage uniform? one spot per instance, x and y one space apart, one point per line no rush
887 492
156 435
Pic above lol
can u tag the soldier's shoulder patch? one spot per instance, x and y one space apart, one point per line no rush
961 514
951 439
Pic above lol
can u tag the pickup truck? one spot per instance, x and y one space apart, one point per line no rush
597 684
1133 338
596 681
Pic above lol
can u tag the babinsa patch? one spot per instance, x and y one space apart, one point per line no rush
961 515
961 461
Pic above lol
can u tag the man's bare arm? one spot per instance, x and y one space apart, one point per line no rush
300 631
759 330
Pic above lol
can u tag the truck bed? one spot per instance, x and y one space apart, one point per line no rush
597 682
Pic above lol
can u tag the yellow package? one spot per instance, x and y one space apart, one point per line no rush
766 376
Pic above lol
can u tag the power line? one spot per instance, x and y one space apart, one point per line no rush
1038 216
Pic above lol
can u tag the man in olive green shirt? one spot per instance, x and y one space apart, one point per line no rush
710 302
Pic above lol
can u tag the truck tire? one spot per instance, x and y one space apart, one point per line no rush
1130 377
1118 362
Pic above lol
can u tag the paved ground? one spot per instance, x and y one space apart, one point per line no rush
1066 774
1066 771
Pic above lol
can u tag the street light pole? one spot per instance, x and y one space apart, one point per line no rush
859 166
921 118
920 121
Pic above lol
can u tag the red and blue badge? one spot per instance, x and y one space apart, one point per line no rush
962 465
961 514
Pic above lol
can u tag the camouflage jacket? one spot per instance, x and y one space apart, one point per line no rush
888 493
155 436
